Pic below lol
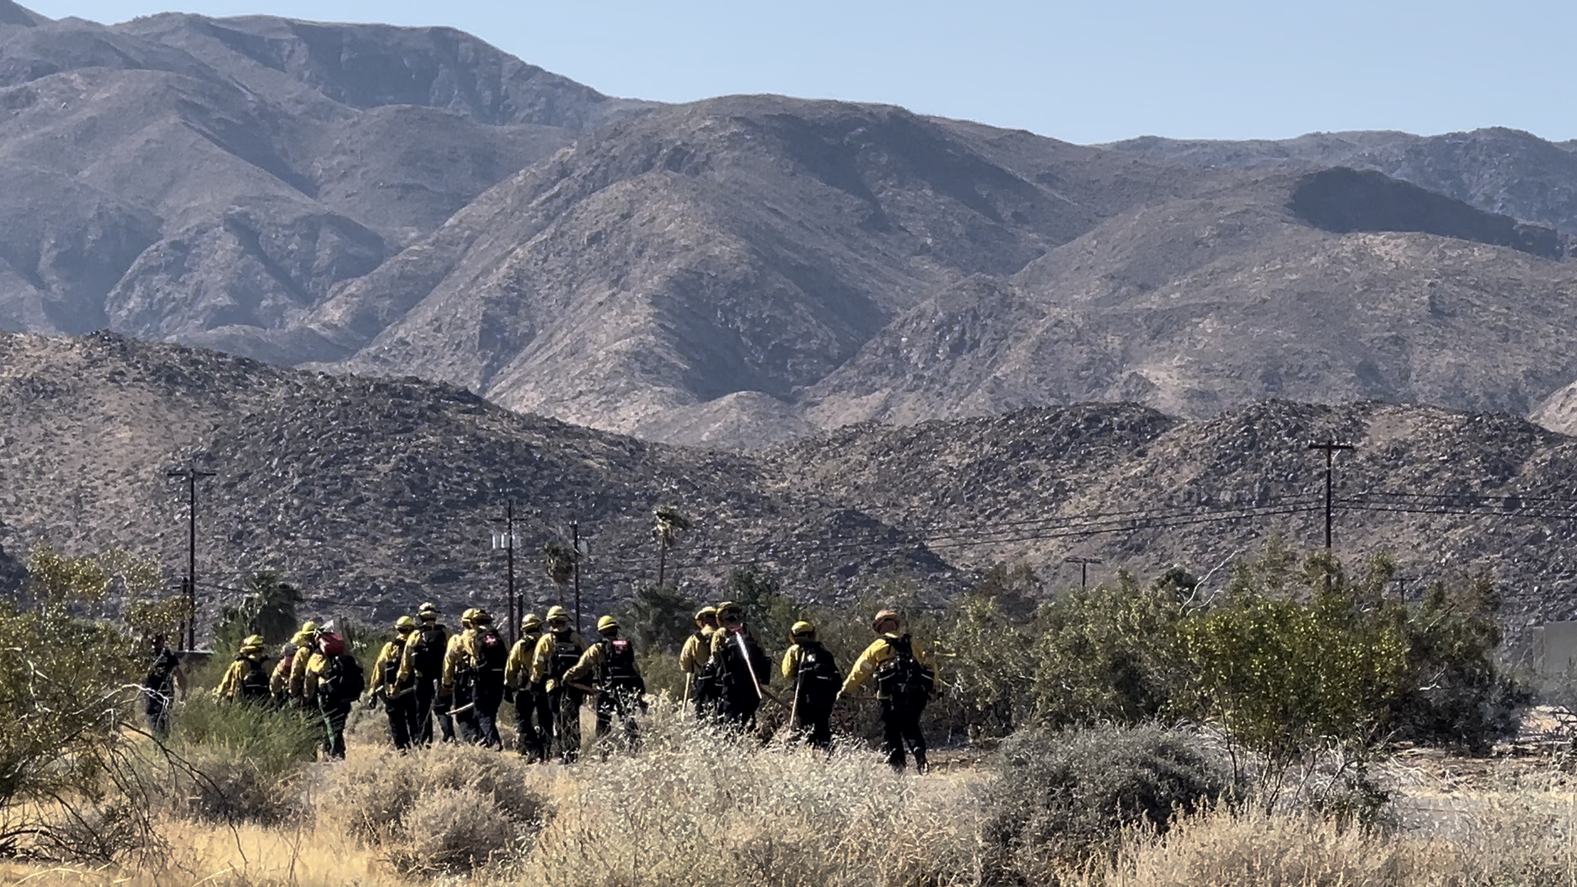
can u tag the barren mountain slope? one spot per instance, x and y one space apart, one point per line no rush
1330 286
188 189
371 493
742 244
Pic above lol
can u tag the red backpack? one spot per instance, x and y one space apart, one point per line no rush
331 644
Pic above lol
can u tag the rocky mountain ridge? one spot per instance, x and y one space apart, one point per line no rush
375 493
746 270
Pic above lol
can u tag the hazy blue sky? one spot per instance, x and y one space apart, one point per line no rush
1085 72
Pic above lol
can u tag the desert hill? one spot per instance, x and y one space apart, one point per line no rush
376 493
744 270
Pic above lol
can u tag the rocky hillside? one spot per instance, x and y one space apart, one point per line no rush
746 270
376 493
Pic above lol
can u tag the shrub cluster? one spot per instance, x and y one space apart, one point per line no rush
1053 798
446 808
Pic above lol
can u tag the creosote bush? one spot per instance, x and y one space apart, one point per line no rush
449 807
706 810
1054 798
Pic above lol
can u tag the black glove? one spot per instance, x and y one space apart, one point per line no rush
509 695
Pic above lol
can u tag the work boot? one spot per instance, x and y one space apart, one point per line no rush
920 766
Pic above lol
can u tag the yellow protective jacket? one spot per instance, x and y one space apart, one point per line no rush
298 666
456 655
696 652
878 654
517 671
393 651
542 659
315 668
230 685
791 661
279 681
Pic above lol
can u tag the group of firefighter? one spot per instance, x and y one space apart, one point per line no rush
460 680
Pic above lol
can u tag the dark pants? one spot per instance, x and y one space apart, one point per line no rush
737 710
565 703
620 703
533 724
464 715
427 705
815 724
334 718
403 726
156 708
900 725
484 718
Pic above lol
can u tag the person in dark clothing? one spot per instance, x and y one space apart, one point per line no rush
741 666
475 671
159 685
557 652
397 696
816 683
904 682
533 718
424 665
610 665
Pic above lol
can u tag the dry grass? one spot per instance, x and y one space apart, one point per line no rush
703 811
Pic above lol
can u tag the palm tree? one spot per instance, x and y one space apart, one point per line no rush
668 524
558 562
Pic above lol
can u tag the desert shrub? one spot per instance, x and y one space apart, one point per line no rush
226 763
1055 797
706 810
452 828
398 803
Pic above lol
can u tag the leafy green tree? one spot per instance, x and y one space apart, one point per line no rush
768 611
1110 653
1457 693
558 564
1291 674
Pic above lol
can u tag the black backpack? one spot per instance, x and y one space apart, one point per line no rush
904 680
708 683
254 684
341 681
491 657
565 654
618 663
819 677
427 656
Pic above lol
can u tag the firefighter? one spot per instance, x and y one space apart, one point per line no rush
533 718
296 689
557 652
456 684
904 683
164 676
332 683
423 667
700 683
742 668
816 681
609 665
279 683
247 679
396 693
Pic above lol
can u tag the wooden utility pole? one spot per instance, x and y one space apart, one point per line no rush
1084 568
508 520
191 474
1330 447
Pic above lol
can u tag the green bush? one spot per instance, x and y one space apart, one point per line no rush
237 763
1055 798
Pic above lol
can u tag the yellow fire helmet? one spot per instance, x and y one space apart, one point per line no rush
884 617
469 616
557 612
309 627
802 630
428 610
706 613
531 622
404 624
607 623
255 640
482 617
728 609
